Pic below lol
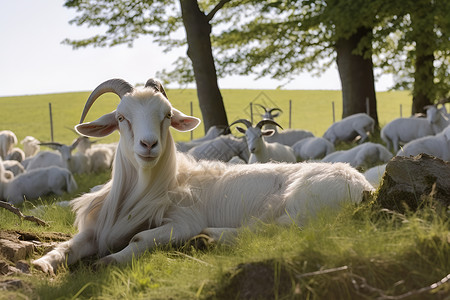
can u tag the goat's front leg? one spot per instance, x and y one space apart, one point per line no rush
149 239
81 245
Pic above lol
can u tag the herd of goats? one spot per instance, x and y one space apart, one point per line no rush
30 173
164 192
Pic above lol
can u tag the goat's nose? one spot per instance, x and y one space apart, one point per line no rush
149 144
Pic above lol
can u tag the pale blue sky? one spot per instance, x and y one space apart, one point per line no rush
33 60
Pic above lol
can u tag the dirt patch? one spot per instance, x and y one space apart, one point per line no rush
258 280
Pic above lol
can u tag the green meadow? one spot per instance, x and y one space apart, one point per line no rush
310 110
358 252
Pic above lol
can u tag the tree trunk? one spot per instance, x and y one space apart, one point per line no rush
357 80
424 36
198 32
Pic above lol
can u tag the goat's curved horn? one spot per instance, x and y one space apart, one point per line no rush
156 85
275 109
51 144
243 121
265 122
263 107
117 86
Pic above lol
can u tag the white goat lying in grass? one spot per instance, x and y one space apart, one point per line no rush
403 130
347 129
61 158
221 148
437 145
375 174
362 156
260 150
286 137
213 133
35 183
312 148
157 196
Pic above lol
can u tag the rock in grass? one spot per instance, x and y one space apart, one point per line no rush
411 182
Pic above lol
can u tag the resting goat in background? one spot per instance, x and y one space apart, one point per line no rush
157 196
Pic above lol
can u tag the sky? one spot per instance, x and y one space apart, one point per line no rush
33 60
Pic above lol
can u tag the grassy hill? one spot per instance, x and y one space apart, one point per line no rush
311 110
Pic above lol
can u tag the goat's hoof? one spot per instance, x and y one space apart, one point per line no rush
43 266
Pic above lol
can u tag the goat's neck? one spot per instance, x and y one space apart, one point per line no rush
138 197
263 153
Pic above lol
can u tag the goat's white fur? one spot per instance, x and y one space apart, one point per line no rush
30 146
375 174
221 148
16 154
262 151
212 133
312 148
35 183
347 129
437 145
286 137
7 141
362 156
14 166
157 196
403 130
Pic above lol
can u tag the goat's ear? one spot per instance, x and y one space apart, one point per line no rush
240 129
268 132
182 122
103 126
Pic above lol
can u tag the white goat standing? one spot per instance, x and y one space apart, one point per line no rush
286 137
157 196
312 148
437 145
7 141
260 150
347 129
35 183
403 130
361 156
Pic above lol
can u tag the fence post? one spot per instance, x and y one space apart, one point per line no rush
290 113
51 120
192 114
332 107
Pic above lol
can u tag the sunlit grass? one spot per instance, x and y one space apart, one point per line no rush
391 252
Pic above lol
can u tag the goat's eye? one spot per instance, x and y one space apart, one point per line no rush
120 118
169 115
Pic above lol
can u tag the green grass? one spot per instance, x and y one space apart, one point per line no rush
371 252
311 110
